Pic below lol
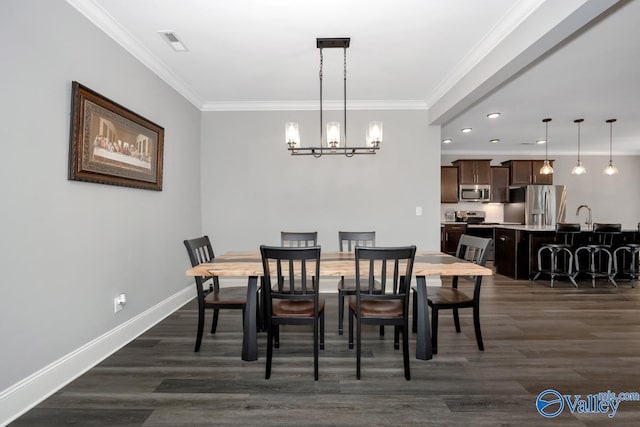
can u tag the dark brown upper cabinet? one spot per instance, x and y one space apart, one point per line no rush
477 171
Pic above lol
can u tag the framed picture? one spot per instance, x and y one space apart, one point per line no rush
110 144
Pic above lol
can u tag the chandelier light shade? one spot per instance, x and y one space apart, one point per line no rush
610 169
578 169
336 141
374 135
546 168
292 135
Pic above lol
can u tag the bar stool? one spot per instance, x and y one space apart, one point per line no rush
603 241
563 245
633 249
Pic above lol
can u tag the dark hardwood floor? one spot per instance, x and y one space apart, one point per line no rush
576 341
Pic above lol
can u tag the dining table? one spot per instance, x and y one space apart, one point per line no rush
336 264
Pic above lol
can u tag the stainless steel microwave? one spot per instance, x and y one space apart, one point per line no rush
474 193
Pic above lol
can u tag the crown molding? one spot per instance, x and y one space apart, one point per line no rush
314 105
108 24
509 22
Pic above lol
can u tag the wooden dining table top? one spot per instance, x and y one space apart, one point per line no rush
338 264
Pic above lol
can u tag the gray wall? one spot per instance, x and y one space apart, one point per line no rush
68 248
252 188
611 198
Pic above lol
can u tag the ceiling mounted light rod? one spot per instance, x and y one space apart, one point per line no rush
610 169
546 168
578 169
292 134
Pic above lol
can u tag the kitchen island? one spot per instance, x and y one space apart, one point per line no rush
516 247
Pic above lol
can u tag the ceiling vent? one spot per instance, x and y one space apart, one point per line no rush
173 40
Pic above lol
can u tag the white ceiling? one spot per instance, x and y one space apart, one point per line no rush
460 58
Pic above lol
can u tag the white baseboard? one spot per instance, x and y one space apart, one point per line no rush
27 393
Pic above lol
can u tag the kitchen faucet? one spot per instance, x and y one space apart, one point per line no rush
588 221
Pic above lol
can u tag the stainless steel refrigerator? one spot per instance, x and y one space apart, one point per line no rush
542 205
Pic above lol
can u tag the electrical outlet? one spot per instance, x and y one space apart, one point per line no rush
119 302
419 211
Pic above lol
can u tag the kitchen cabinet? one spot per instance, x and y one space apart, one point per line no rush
499 184
451 234
473 171
506 255
526 172
448 184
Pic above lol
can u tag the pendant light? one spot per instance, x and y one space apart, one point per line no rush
546 168
578 169
610 170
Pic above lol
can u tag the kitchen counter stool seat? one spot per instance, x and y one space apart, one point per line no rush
562 248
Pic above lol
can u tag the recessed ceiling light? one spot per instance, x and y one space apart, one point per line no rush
493 141
446 141
465 130
493 115
541 141
173 40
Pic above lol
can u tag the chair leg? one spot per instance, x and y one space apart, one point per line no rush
350 329
214 322
267 373
476 325
315 351
340 312
322 330
434 330
381 330
414 321
456 319
405 350
200 329
358 346
396 337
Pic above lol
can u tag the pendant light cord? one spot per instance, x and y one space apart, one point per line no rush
321 60
610 142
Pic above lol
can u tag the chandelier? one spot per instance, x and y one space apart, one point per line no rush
332 146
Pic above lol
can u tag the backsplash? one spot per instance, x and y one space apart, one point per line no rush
494 211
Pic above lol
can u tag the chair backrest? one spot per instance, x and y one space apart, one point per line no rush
295 239
382 264
199 250
566 232
473 249
348 240
605 232
290 273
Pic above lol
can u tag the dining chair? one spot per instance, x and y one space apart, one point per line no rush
347 241
393 267
471 249
291 287
296 239
216 298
